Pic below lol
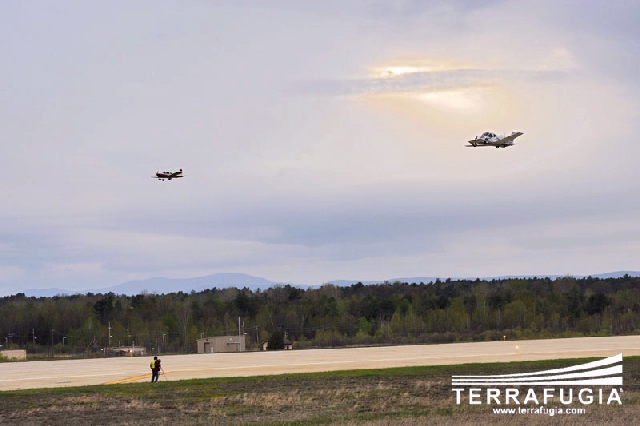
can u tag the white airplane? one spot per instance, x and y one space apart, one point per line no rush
491 139
168 175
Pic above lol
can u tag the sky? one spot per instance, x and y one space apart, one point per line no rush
319 140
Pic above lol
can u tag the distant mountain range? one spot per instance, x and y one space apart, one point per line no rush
162 285
227 280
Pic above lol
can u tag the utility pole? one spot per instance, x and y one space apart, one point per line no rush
33 333
239 339
109 333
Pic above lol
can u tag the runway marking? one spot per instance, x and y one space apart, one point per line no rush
58 377
129 379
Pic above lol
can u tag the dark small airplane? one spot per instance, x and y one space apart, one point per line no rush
168 175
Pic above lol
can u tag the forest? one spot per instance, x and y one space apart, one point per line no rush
328 316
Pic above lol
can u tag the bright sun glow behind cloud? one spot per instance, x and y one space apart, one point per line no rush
461 99
442 84
401 68
441 88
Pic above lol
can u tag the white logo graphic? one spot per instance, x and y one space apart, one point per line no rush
597 373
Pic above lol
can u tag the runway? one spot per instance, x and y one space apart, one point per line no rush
47 374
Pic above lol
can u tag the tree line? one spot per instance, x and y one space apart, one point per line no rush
329 316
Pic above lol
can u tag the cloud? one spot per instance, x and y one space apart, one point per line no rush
424 81
71 270
10 272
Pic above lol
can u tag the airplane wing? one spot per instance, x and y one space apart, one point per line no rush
508 140
478 145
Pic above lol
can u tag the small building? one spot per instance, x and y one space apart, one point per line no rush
288 344
220 344
129 350
17 354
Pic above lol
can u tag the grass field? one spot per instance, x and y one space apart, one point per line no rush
399 396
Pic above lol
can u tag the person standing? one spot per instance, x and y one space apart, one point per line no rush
155 369
158 369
